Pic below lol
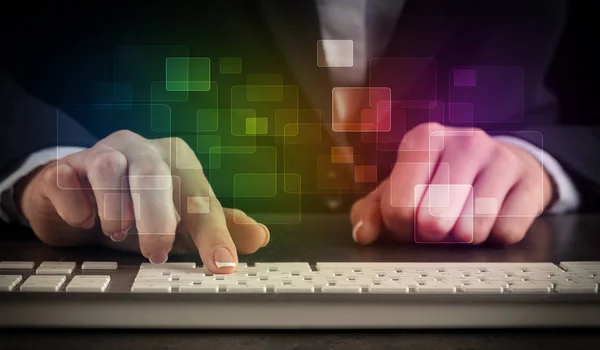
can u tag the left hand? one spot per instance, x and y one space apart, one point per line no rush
514 184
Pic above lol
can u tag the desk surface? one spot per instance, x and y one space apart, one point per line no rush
327 238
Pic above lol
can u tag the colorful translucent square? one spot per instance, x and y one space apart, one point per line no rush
207 120
465 77
257 126
188 73
230 65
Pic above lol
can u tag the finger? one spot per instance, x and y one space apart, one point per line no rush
203 216
106 172
463 157
489 192
152 189
518 211
413 168
365 216
247 234
70 201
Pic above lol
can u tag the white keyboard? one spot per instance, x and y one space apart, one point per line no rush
289 294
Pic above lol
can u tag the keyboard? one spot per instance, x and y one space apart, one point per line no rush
273 295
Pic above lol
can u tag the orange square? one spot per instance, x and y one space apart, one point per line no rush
365 173
342 155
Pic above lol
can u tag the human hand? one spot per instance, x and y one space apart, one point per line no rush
126 183
464 164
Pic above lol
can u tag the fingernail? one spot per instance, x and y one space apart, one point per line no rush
223 258
120 236
355 231
158 258
267 235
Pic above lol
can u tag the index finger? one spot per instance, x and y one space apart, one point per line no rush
202 215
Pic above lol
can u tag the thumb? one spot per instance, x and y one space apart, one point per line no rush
365 216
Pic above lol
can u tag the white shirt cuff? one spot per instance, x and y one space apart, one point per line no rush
567 198
34 160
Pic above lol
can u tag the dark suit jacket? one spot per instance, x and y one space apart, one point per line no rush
71 56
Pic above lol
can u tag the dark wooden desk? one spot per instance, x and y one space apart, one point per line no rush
327 238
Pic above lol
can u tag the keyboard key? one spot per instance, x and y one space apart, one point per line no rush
341 289
17 265
389 289
307 288
151 288
482 289
54 270
99 265
86 288
246 289
43 283
8 282
168 265
201 289
435 288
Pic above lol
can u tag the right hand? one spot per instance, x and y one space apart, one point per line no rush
70 201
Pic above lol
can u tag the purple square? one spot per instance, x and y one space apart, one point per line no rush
465 77
459 112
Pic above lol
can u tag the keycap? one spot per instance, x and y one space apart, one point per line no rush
341 289
246 289
530 288
99 265
8 282
307 288
37 283
201 289
151 288
17 265
435 288
389 289
168 265
55 268
482 288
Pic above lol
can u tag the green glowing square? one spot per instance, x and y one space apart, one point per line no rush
264 87
160 118
257 126
205 142
159 93
207 120
292 183
230 65
255 185
188 73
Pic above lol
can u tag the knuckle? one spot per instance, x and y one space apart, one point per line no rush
150 166
108 163
50 175
124 134
506 158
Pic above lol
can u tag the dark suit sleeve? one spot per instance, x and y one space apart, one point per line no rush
528 34
28 125
576 149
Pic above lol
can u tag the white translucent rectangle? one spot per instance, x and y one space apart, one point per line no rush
338 53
